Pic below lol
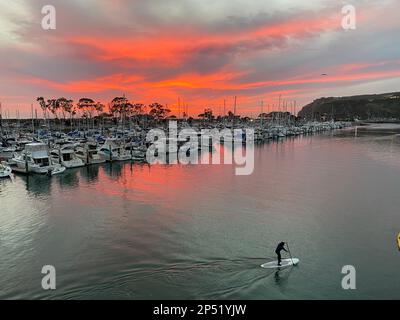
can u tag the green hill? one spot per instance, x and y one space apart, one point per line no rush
363 107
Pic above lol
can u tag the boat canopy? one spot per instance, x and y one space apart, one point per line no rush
36 147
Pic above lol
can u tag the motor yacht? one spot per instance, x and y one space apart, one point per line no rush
5 170
88 153
113 150
67 157
35 158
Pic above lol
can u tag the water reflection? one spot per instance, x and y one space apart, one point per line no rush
281 277
90 174
114 169
38 185
69 179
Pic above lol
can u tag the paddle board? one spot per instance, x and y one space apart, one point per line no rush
284 263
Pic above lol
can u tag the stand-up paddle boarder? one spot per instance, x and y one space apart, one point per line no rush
279 248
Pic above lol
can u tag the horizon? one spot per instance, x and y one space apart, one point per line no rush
150 52
36 111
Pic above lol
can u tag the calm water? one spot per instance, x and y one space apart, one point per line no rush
138 232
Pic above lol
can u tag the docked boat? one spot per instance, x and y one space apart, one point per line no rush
138 153
35 159
5 171
113 150
67 157
6 153
89 154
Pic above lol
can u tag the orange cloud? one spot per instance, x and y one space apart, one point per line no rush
113 82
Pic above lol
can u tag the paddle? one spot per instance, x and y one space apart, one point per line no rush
290 254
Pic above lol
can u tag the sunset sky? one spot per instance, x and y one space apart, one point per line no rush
198 51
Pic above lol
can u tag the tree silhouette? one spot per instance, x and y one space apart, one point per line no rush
158 111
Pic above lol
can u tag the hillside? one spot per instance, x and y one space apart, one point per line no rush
363 107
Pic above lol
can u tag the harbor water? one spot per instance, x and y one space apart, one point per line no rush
133 231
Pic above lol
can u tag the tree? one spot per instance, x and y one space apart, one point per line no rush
65 105
68 107
54 106
87 106
137 110
158 111
43 106
99 107
207 115
120 106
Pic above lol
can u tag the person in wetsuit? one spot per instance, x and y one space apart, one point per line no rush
279 248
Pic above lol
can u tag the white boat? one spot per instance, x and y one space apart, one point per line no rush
137 154
7 153
66 157
35 159
113 150
137 151
5 171
89 154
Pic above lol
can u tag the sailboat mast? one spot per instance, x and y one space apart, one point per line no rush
1 120
262 111
234 112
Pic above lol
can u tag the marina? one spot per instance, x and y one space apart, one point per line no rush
200 152
52 152
127 230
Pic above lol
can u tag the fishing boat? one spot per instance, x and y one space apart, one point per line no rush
5 171
7 153
35 159
66 157
88 153
137 151
113 150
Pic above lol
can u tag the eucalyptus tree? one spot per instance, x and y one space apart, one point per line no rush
43 106
158 111
86 106
121 107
